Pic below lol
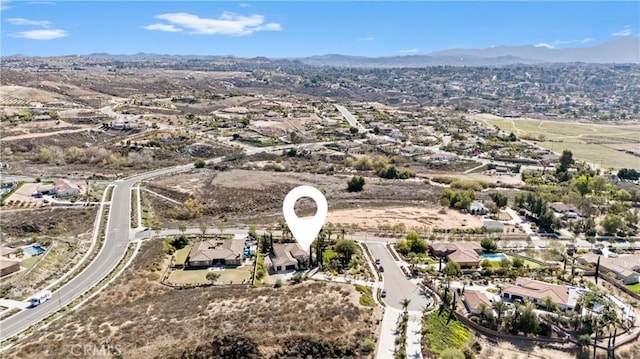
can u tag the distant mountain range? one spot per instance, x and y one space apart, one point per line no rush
620 50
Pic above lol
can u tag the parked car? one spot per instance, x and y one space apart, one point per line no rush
384 293
378 261
381 269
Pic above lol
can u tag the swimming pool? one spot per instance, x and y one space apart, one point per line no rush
494 256
34 250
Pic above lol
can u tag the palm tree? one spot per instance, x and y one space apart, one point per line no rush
484 309
405 304
500 307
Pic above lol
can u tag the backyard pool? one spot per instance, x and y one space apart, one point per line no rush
34 250
493 256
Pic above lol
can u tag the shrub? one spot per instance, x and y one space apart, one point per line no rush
199 163
355 184
278 283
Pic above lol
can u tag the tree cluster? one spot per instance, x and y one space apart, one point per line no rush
412 243
458 199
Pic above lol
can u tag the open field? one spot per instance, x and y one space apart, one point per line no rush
410 217
588 141
145 319
255 197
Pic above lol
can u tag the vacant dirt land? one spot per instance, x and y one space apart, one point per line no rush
145 319
411 217
63 222
246 197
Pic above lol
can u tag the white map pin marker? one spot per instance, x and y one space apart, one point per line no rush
304 230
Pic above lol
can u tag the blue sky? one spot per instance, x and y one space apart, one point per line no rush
304 28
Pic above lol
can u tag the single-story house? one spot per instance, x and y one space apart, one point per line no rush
463 253
443 157
626 267
45 189
569 210
65 188
285 257
493 226
477 208
535 291
8 266
473 300
226 252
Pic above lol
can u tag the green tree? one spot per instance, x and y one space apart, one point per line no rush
346 249
403 246
212 276
582 184
499 199
489 245
611 223
527 319
500 307
353 130
517 262
566 160
549 304
452 269
416 243
355 184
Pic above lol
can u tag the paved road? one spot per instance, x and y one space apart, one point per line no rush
395 282
115 245
350 118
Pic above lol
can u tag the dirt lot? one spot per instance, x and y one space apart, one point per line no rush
245 197
145 319
411 217
63 222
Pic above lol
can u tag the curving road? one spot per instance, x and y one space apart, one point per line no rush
117 239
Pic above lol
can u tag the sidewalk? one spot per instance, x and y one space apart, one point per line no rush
386 342
414 335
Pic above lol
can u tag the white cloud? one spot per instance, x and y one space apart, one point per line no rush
228 23
544 45
48 34
410 51
244 4
23 21
586 40
3 5
626 31
162 27
368 38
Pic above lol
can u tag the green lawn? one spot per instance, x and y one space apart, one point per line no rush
181 254
634 287
199 276
440 335
27 263
531 264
